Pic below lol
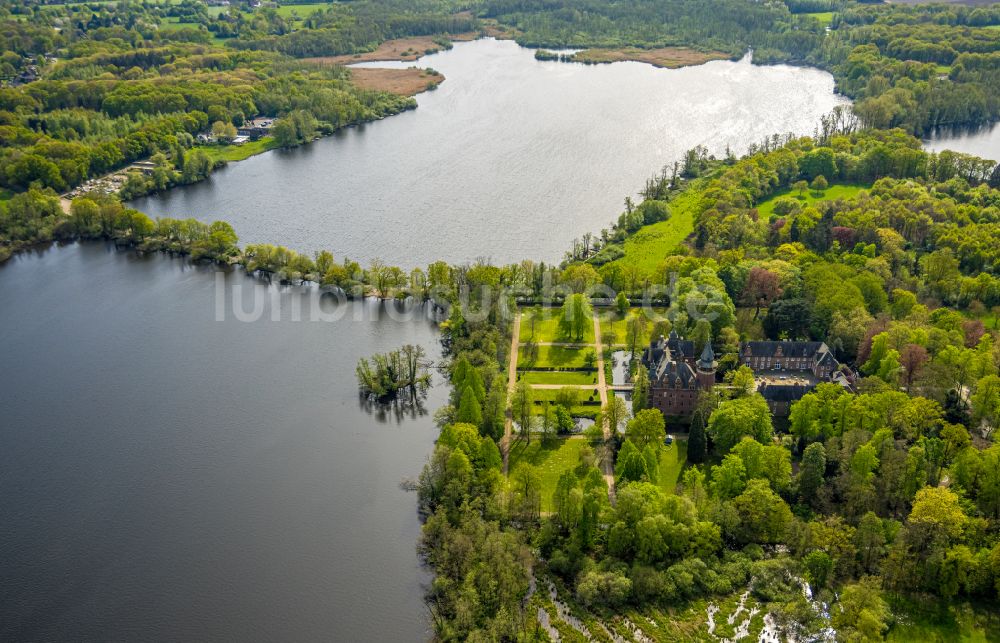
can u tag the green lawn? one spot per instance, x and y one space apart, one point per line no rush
587 406
562 456
585 396
555 357
614 323
559 377
172 23
672 460
824 17
766 208
942 622
651 244
943 69
542 325
238 152
301 10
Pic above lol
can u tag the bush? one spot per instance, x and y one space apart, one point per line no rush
603 588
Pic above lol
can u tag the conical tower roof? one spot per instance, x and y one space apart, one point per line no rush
707 360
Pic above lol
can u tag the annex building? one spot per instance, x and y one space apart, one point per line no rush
784 372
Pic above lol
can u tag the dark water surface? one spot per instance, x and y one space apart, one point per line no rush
510 158
983 142
168 477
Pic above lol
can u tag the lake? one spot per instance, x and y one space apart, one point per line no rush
983 142
166 476
509 159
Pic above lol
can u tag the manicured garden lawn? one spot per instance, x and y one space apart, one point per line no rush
559 377
672 460
614 323
651 244
766 208
551 461
588 401
542 325
238 152
583 410
555 357
584 395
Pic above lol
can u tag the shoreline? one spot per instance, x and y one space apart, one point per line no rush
413 81
404 82
399 49
661 57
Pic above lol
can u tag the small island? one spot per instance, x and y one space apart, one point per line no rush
386 374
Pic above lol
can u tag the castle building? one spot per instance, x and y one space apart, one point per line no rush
675 376
784 372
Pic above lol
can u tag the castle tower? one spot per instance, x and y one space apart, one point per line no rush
706 367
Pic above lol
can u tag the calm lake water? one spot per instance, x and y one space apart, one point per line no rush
510 158
165 476
983 142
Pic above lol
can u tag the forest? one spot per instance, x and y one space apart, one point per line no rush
880 499
110 96
884 501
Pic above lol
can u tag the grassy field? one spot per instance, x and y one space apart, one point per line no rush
551 461
647 248
584 395
587 406
301 10
612 322
766 208
672 460
543 326
555 357
824 17
171 23
935 621
238 152
559 377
